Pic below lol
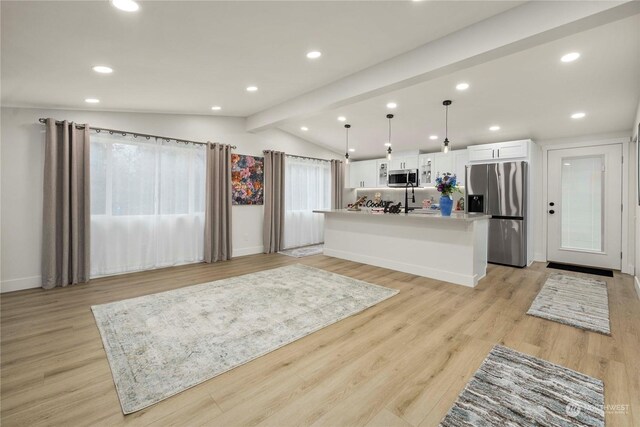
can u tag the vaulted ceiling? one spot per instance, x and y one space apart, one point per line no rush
185 57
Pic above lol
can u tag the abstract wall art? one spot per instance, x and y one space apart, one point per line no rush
247 178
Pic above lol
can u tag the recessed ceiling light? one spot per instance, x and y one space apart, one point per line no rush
570 57
578 115
462 86
567 164
92 100
126 5
342 118
103 69
433 137
252 88
387 144
392 105
216 108
494 128
304 128
314 54
352 149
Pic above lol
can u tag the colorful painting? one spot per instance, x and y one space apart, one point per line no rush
247 178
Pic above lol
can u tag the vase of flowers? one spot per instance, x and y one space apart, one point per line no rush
447 184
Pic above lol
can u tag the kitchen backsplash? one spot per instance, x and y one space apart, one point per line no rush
397 195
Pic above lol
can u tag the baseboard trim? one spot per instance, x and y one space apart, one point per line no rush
248 251
636 282
21 284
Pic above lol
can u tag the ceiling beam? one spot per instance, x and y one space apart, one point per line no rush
520 28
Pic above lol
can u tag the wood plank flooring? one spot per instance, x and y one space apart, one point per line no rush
401 363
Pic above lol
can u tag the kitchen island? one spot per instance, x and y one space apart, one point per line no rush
452 249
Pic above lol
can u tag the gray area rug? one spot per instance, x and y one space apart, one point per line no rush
161 344
574 301
515 389
303 251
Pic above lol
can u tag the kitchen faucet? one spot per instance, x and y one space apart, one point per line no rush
406 196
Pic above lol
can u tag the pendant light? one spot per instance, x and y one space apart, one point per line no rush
389 116
346 153
445 143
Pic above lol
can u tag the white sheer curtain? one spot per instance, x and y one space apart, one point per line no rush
307 187
147 203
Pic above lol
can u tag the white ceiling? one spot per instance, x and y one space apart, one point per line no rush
530 94
184 57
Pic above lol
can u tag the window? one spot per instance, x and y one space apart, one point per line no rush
307 188
147 203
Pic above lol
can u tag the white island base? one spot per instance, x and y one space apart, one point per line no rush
452 249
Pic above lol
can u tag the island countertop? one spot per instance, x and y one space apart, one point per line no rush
453 249
456 216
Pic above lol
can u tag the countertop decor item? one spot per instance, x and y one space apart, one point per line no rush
161 344
359 202
446 184
514 389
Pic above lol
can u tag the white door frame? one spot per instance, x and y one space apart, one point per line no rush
542 210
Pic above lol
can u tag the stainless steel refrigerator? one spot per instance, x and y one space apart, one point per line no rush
500 190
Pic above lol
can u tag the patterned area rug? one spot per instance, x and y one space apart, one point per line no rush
515 389
161 344
303 251
574 301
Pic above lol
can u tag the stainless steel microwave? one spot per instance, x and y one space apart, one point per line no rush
400 178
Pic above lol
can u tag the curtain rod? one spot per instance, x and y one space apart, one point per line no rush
123 133
310 158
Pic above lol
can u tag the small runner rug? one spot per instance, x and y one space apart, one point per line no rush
574 301
515 389
161 344
303 251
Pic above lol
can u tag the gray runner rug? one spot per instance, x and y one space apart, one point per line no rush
515 389
574 301
303 251
161 344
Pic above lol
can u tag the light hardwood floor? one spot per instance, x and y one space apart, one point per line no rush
400 363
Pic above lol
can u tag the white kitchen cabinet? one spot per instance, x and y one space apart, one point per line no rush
461 158
404 162
443 163
382 172
363 174
509 150
425 166
479 153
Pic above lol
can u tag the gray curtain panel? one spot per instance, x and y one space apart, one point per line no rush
66 210
273 227
217 226
337 184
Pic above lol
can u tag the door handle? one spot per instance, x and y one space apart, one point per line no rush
552 211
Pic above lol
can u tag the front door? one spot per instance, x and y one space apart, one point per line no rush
584 206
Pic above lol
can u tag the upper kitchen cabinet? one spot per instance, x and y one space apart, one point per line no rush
510 150
425 166
363 174
404 161
434 164
461 158
382 172
443 163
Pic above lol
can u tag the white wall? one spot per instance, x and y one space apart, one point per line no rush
22 152
634 197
